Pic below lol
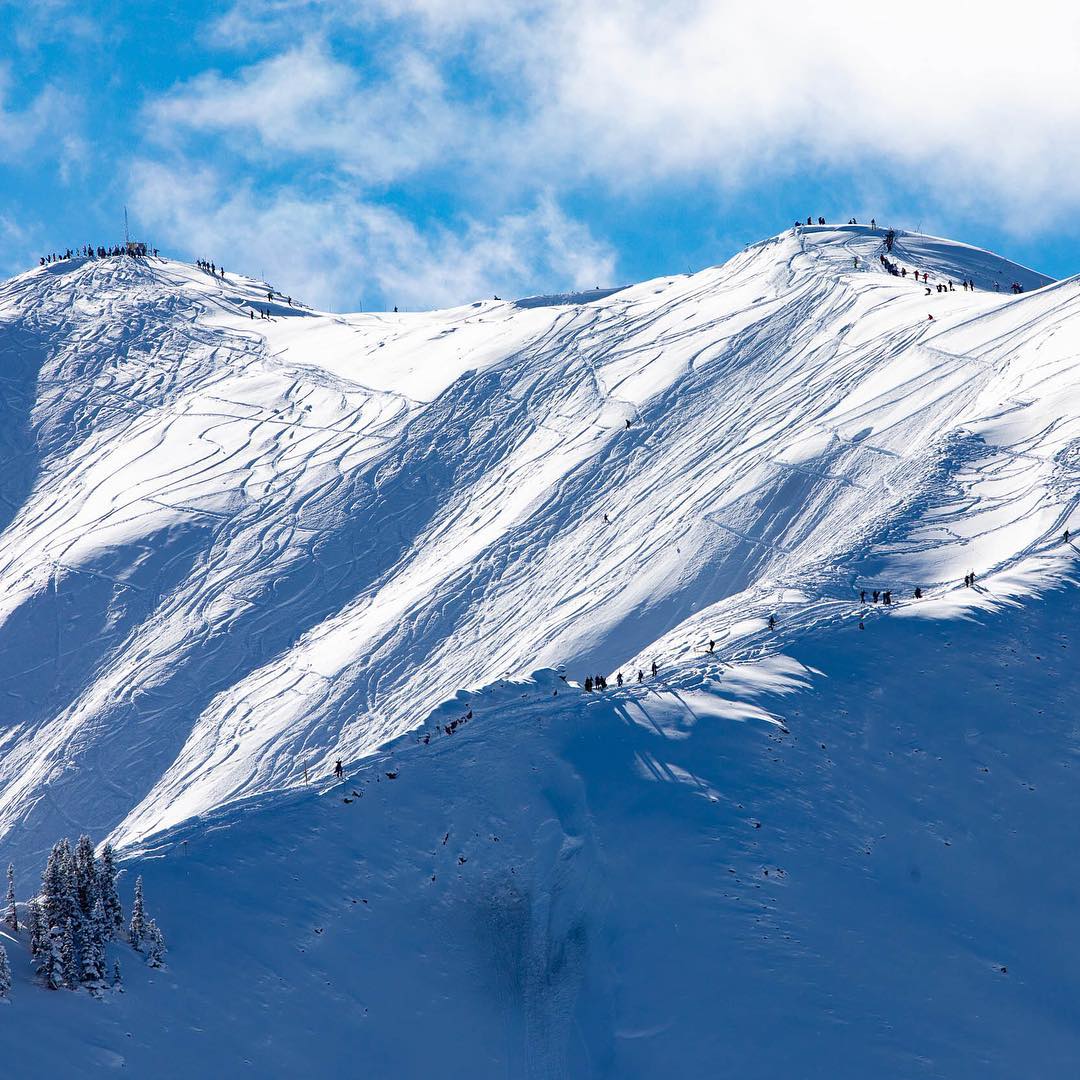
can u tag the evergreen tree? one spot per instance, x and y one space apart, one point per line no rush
11 917
137 927
110 898
155 945
69 957
58 887
85 873
37 931
93 948
5 973
50 958
117 982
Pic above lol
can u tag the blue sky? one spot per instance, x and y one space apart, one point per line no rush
426 152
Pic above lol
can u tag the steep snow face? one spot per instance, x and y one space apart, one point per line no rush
235 548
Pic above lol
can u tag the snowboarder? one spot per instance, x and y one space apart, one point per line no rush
339 771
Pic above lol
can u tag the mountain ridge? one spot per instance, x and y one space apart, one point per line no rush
240 547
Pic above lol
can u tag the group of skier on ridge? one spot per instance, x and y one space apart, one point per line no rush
89 251
902 271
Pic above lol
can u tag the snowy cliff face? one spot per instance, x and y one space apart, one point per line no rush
234 548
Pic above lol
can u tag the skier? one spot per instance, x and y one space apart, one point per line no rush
772 622
640 675
918 593
887 598
618 679
873 223
588 684
877 593
654 668
627 425
712 644
339 771
1066 536
862 596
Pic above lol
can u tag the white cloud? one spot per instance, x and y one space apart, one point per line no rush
629 92
337 246
305 103
46 114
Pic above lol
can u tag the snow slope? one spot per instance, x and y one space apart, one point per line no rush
236 548
847 857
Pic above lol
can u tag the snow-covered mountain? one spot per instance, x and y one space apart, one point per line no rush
237 548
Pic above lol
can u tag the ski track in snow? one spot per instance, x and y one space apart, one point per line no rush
235 549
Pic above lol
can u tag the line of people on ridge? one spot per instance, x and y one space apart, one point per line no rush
210 268
595 683
89 251
598 682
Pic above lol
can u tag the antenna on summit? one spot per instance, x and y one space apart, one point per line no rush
127 238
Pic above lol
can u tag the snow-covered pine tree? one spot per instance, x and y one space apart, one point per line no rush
51 960
117 982
5 973
155 945
69 957
110 898
93 949
137 927
11 916
37 931
58 887
85 872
